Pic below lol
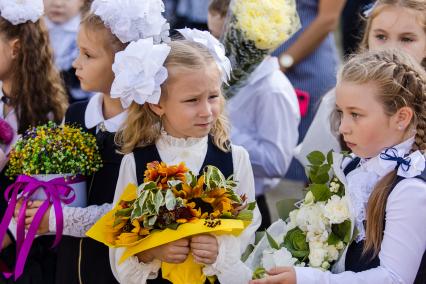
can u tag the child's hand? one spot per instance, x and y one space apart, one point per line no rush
174 252
278 275
204 249
32 207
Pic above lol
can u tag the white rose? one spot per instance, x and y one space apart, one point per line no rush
312 236
334 186
273 258
337 210
333 253
317 254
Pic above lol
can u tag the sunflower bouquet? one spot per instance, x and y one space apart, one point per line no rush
171 204
49 162
253 30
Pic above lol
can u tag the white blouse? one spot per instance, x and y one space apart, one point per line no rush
404 240
228 266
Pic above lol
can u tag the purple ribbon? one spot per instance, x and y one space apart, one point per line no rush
57 190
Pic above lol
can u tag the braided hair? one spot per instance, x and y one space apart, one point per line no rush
402 83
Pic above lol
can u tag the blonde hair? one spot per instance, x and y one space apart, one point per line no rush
94 23
417 5
143 126
402 83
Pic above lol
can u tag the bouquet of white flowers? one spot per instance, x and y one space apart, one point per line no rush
317 232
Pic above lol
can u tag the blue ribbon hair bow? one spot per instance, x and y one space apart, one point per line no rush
391 154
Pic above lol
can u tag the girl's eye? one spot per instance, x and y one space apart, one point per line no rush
407 40
213 97
380 37
85 54
190 100
354 115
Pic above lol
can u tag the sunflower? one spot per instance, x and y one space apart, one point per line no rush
161 173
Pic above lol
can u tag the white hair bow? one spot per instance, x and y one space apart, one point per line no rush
21 11
131 20
213 45
139 72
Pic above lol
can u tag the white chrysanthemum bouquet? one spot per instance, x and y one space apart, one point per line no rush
253 30
316 233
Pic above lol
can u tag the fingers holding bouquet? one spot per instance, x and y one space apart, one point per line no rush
174 252
205 248
278 275
30 212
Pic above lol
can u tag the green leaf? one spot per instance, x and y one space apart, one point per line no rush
259 273
136 212
333 239
320 191
343 231
214 177
151 220
158 201
247 252
321 175
251 206
124 212
116 222
245 215
285 206
316 158
173 226
272 243
258 236
170 200
146 187
173 183
330 157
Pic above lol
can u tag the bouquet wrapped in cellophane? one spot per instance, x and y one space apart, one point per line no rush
317 232
171 204
253 30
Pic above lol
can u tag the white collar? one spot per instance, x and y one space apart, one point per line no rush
170 141
266 67
71 25
94 115
381 166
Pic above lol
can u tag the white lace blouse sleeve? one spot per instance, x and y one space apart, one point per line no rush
403 245
131 270
228 266
77 220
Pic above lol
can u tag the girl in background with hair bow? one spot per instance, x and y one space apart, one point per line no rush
31 93
381 101
182 120
104 33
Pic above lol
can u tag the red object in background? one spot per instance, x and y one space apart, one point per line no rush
303 99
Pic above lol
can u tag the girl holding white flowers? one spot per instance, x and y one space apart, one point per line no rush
104 33
181 119
381 99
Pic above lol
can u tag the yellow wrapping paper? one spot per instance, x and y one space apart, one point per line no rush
183 273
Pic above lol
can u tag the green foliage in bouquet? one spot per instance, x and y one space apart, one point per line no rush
54 149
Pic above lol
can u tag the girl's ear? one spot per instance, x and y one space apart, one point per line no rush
15 46
403 118
157 109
